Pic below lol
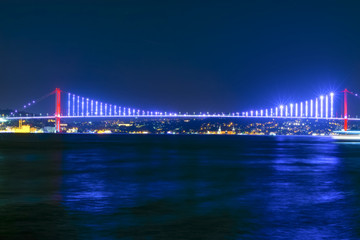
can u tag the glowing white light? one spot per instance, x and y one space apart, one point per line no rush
73 105
101 108
110 109
256 113
266 112
78 106
276 111
69 104
271 112
247 114
105 113
96 108
261 113
316 107
87 107
291 109
296 110
301 109
306 109
321 106
286 111
326 106
281 110
311 108
92 107
82 106
251 113
332 105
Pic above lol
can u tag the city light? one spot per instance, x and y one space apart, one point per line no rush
281 110
311 108
291 109
301 109
316 107
296 110
306 108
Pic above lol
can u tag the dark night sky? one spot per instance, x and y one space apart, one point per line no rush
179 55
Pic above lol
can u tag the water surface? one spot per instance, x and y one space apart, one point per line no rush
178 187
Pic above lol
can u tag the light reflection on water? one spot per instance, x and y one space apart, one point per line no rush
179 187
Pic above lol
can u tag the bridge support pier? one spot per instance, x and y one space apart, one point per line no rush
57 109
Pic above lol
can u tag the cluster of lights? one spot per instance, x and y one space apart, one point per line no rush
321 107
78 106
27 105
84 107
318 108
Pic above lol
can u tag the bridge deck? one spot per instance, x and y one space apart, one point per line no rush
176 116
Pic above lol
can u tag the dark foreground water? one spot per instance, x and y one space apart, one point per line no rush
178 187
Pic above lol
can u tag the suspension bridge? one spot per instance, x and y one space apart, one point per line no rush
69 105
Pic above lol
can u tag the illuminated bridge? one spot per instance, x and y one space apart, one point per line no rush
69 105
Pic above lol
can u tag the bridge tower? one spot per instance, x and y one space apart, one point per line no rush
345 109
57 109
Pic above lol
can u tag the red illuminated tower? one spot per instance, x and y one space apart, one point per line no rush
57 109
345 109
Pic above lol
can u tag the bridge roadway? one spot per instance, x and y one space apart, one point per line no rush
176 116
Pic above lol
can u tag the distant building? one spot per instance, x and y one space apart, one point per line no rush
49 129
